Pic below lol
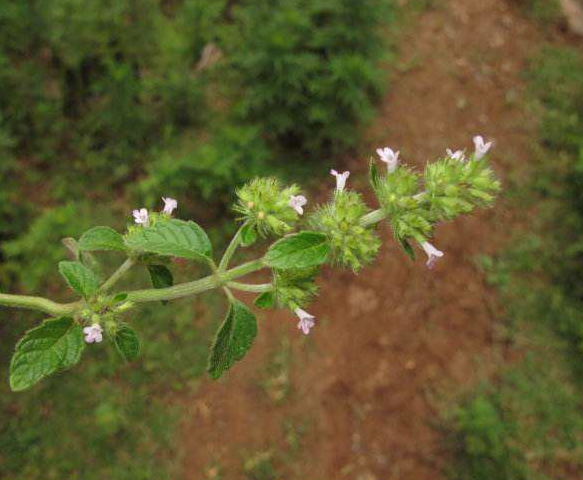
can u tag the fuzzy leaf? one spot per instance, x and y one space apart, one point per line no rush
101 238
304 249
233 340
54 345
82 280
175 238
248 235
265 300
127 342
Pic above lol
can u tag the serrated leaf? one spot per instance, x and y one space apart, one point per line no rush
265 300
82 280
175 238
233 340
161 277
127 342
54 345
304 249
101 238
248 235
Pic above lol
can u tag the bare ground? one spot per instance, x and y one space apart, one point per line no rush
392 338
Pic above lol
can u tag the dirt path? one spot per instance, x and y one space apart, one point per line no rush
363 383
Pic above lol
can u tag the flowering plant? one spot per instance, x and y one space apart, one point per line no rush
340 232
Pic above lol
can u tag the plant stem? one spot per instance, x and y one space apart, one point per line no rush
246 287
38 303
373 217
235 241
181 290
111 281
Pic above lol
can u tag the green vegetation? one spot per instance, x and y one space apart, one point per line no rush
104 107
527 423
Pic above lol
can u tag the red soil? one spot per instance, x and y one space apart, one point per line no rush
388 339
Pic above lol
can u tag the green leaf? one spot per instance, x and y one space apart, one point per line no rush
248 235
127 342
304 249
233 340
79 277
175 238
265 300
101 238
407 248
54 345
161 277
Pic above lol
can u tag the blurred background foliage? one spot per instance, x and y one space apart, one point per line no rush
526 423
104 107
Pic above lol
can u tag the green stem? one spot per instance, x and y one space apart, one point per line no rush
111 281
373 217
246 287
39 303
181 290
235 241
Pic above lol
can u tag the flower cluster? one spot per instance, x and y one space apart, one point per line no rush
145 219
295 288
268 208
353 245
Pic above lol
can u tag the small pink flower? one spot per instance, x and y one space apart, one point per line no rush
390 157
94 333
340 179
433 254
297 202
482 148
306 322
457 155
169 205
141 217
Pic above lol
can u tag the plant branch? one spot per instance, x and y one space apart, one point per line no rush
235 241
246 287
111 281
38 303
373 217
181 290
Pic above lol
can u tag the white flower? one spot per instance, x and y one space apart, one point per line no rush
433 254
141 217
94 333
169 205
340 179
297 202
306 322
457 155
389 157
482 148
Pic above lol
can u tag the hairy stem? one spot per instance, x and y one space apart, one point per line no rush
38 303
246 287
235 241
111 281
373 217
181 290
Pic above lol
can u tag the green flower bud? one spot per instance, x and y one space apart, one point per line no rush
265 205
352 244
398 195
456 187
